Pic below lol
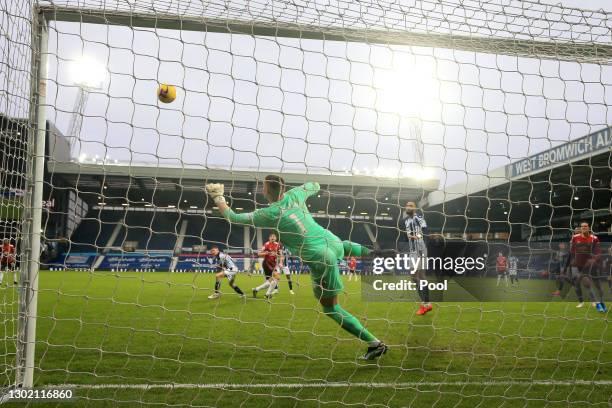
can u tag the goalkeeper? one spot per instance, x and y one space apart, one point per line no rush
316 246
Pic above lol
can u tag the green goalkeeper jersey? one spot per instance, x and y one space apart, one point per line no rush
290 216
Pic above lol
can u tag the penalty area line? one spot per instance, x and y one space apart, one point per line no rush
414 384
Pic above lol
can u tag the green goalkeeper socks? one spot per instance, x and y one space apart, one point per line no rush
354 249
348 322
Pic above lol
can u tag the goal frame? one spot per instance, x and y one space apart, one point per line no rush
33 202
42 15
584 52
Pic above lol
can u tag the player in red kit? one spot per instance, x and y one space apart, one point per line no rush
501 264
585 252
271 252
7 259
352 268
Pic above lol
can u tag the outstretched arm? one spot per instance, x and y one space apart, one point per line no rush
256 218
304 191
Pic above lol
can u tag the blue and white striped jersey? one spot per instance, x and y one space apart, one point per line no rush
512 264
224 261
415 228
286 255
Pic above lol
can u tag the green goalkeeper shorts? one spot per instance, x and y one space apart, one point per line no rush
324 270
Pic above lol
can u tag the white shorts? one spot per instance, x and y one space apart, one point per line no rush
513 273
230 273
285 270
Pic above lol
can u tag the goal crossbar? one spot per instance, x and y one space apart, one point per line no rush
558 50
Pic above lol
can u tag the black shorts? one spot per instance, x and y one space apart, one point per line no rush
594 271
7 261
267 271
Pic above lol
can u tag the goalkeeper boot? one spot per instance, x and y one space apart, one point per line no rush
215 295
601 307
375 351
254 292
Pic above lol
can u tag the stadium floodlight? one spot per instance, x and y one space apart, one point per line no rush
88 75
87 72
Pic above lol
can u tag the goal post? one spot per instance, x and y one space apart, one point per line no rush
31 239
529 48
117 325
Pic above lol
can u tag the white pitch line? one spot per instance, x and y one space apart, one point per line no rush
414 384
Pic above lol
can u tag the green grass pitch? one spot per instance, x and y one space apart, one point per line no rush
147 328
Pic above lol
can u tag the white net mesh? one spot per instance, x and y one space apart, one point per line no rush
15 81
379 102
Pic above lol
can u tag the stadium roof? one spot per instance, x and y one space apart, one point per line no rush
151 180
548 190
238 177
596 144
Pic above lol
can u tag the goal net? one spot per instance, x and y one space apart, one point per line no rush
446 128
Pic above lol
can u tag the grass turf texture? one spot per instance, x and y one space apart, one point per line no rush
135 328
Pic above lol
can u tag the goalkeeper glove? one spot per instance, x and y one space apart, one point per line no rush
215 191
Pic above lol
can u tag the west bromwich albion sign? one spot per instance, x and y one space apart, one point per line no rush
600 140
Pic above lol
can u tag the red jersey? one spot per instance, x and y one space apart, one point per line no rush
273 249
8 253
502 263
352 264
584 249
8 249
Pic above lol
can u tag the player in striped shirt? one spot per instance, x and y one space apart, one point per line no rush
415 229
226 268
513 269
559 266
284 268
